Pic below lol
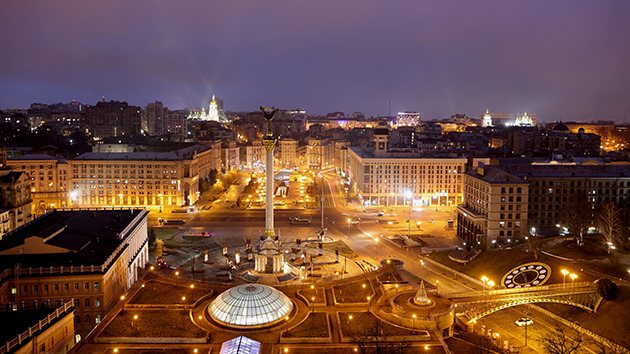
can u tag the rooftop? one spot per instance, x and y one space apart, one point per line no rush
66 238
186 153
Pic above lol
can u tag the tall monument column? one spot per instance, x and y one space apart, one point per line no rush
269 142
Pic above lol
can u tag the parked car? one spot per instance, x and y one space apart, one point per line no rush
432 221
300 221
524 322
380 213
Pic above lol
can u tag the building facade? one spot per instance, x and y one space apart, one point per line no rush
494 209
91 256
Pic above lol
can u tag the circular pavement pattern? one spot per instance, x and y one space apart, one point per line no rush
526 275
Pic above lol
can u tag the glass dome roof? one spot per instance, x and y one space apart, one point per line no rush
250 305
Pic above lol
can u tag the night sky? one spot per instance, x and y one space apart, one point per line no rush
563 60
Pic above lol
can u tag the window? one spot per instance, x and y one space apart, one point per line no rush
14 290
87 302
95 285
97 302
56 287
35 288
65 287
502 224
86 286
517 223
45 287
76 286
87 319
76 303
24 289
97 319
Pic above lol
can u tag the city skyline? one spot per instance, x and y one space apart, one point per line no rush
561 60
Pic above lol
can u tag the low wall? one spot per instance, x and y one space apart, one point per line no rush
113 340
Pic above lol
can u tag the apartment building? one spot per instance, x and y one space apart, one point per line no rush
494 209
287 153
138 179
91 256
49 180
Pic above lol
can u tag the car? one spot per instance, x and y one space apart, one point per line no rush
525 321
380 213
291 218
432 221
278 203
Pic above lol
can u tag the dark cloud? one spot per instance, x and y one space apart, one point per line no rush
560 59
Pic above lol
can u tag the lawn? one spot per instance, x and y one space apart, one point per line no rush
314 292
154 293
315 326
364 322
166 233
570 249
353 292
153 324
344 250
491 263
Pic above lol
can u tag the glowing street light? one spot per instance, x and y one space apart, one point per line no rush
414 322
564 276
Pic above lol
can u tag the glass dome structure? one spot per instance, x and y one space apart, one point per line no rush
250 306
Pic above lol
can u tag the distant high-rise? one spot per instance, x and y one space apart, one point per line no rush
154 114
113 118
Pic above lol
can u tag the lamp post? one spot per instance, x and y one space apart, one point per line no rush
564 276
484 279
160 201
573 276
313 302
437 287
122 300
414 322
409 195
368 304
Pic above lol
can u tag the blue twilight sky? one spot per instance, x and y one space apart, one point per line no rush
563 60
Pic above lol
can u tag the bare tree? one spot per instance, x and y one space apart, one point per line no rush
370 340
606 348
480 344
609 222
561 343
578 214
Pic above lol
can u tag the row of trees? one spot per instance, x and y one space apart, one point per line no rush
610 218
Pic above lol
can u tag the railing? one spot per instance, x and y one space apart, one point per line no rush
527 295
531 289
34 329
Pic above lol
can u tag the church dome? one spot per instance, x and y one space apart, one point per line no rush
250 306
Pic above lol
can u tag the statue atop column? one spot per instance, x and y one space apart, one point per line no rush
268 113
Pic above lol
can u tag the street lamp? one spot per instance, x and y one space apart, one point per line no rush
564 276
122 300
437 287
409 195
414 322
573 276
313 301
160 201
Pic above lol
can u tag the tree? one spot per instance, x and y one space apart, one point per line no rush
480 344
534 244
609 222
607 288
561 343
577 216
151 236
370 340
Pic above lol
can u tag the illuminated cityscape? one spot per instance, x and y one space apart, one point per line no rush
306 177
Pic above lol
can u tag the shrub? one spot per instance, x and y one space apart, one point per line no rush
606 288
